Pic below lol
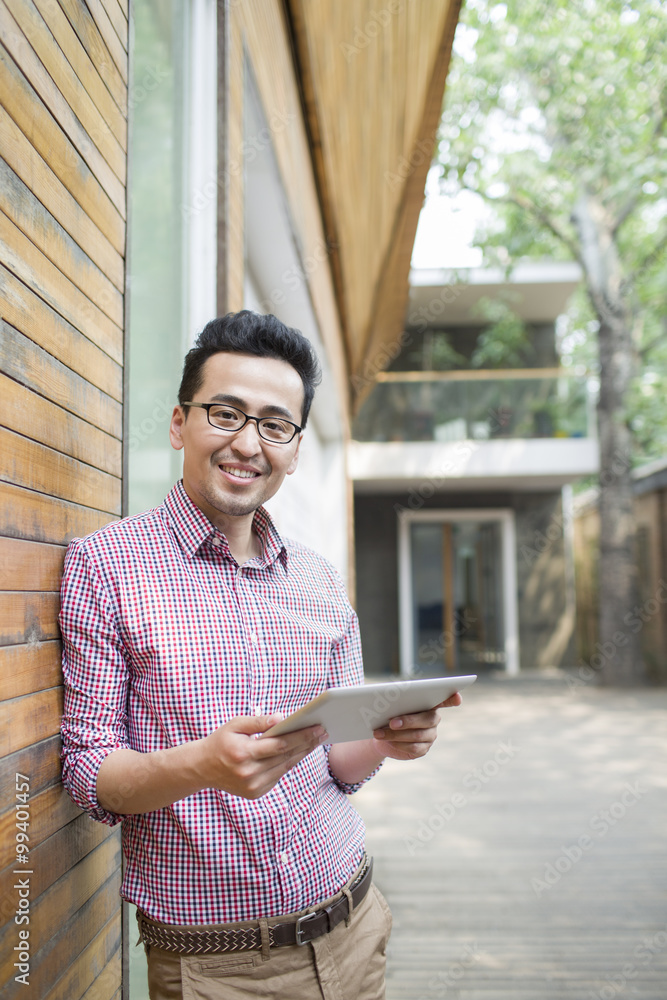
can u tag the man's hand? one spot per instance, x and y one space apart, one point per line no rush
406 737
237 762
230 758
410 736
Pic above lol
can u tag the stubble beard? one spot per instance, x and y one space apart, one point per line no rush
229 504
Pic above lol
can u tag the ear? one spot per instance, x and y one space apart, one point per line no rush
176 428
295 458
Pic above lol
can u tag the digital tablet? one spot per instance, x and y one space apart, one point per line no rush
352 713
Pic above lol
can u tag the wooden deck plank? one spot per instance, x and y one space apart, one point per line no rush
476 847
61 902
77 952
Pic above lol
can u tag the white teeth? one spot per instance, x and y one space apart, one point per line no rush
239 473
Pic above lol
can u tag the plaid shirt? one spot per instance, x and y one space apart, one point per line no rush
165 638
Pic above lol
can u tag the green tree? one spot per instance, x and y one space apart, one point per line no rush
505 342
556 113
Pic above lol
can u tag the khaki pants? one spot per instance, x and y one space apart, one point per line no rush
346 964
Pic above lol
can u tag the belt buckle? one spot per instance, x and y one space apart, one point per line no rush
299 929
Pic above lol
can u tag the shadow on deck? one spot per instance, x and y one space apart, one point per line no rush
524 858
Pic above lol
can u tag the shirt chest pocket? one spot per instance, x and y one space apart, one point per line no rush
189 665
292 663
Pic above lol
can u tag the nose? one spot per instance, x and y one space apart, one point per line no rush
247 441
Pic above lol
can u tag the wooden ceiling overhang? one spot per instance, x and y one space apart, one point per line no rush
372 83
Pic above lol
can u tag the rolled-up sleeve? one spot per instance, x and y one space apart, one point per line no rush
96 681
347 671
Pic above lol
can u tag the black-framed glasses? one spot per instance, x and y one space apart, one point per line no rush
228 418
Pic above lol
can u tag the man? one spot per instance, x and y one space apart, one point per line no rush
188 631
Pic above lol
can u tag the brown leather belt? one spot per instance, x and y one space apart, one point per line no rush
238 937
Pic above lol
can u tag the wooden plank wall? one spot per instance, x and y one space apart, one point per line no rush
373 78
63 157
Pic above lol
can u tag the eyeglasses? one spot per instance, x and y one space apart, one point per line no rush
275 430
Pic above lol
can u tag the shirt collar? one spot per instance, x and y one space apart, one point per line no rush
193 529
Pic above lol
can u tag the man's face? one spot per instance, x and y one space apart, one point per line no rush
234 474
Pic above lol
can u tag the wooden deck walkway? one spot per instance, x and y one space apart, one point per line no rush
525 857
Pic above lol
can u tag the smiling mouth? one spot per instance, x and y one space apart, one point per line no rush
239 473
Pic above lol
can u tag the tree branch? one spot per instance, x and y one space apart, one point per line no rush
644 352
649 260
528 205
634 200
626 211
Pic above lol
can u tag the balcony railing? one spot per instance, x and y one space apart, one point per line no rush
477 405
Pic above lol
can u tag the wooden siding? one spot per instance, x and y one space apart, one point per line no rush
372 81
63 145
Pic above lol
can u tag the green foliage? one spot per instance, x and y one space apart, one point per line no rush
443 355
433 351
549 101
504 343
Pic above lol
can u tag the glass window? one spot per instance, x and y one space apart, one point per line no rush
171 224
457 613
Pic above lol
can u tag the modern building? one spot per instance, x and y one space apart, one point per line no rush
462 481
164 161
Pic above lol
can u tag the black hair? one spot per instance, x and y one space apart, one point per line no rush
264 336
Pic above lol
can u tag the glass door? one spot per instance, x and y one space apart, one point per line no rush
457 616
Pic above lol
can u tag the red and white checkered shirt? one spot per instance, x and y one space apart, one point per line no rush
165 638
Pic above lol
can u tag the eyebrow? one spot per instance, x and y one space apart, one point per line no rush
271 409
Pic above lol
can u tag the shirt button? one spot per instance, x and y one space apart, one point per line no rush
253 638
258 710
217 542
284 858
